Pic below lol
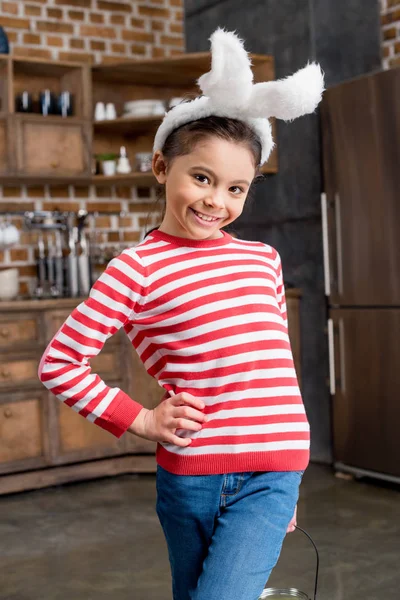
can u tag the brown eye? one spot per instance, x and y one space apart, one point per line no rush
236 187
201 178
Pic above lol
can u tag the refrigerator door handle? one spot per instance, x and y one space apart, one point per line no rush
325 241
339 243
331 357
341 356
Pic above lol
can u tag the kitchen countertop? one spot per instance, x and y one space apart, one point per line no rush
32 304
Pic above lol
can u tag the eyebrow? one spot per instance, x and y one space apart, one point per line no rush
201 168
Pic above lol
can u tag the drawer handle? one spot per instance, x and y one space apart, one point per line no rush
55 164
8 413
5 333
5 374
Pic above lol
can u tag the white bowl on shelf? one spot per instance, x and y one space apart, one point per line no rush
144 108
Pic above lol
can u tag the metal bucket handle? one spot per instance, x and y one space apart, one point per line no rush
316 552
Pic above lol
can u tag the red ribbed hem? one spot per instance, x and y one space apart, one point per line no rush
122 416
218 464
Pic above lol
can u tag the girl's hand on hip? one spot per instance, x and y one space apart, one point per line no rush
182 411
293 522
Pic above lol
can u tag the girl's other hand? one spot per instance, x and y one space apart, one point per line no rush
293 522
182 411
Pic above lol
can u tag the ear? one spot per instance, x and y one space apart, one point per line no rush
159 167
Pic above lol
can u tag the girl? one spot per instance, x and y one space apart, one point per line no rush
206 313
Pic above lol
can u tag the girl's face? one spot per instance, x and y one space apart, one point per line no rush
212 181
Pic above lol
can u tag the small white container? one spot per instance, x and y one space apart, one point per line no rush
111 113
9 235
109 167
100 112
9 284
123 165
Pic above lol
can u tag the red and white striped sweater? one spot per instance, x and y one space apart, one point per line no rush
207 317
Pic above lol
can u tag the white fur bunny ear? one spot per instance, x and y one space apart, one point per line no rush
230 81
229 92
288 98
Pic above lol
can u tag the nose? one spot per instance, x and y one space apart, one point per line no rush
215 198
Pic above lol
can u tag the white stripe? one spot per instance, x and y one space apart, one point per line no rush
63 379
64 358
110 303
103 405
69 393
257 411
98 317
229 361
218 344
100 387
209 279
238 448
259 318
265 429
205 309
88 332
87 351
238 377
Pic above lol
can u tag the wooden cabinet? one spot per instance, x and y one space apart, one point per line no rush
42 441
54 149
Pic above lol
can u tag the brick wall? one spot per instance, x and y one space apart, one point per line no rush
390 20
95 31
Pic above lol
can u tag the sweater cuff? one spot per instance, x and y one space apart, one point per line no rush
123 415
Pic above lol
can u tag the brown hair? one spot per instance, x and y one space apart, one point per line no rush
183 140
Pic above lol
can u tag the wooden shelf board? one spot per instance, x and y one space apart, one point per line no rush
42 67
139 179
178 71
50 179
129 125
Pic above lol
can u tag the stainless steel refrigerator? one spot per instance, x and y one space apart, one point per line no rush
360 125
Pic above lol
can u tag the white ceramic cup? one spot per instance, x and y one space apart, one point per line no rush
111 113
109 167
100 111
9 284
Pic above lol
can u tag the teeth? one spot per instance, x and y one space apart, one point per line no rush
204 217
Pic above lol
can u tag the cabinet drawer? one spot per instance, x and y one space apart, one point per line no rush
19 371
78 434
21 430
18 332
62 148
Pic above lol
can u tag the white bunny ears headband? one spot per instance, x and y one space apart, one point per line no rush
229 92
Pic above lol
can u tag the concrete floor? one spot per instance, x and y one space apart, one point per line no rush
102 540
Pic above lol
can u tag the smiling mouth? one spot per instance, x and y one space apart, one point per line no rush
207 218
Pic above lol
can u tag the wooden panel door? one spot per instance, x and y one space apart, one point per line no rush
24 442
52 146
144 389
74 437
361 155
366 407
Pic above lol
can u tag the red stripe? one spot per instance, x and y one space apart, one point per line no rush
259 438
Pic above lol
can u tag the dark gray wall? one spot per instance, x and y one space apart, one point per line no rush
344 37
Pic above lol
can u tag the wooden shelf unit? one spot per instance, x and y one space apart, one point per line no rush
52 149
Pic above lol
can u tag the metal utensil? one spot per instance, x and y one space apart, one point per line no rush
59 264
72 264
41 266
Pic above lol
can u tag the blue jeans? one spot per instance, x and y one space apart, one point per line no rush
224 533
